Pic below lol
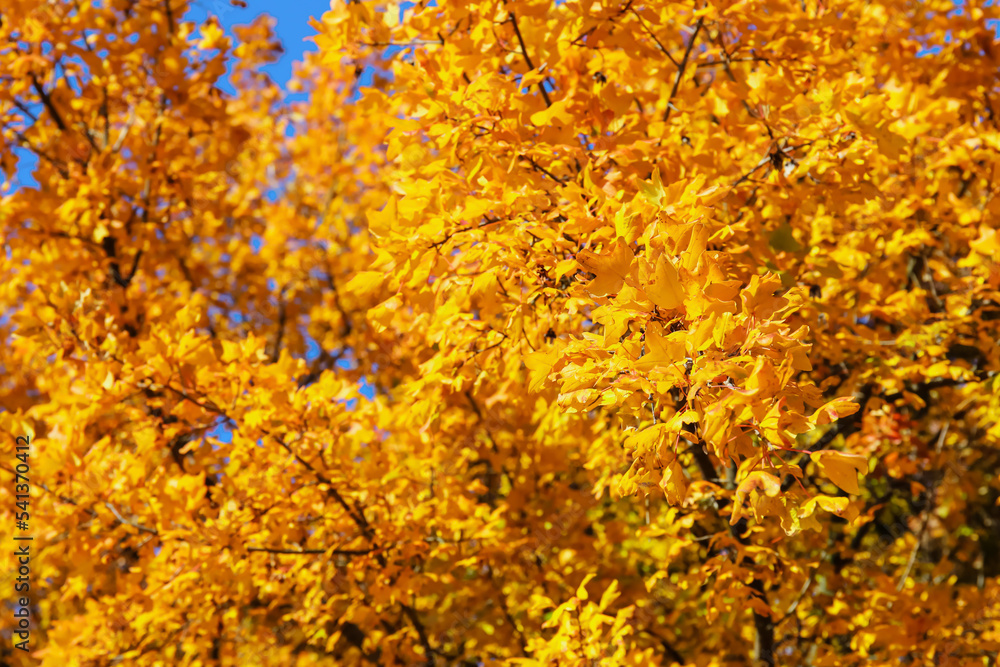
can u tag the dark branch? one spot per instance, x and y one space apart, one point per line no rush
301 552
527 58
47 101
658 43
682 67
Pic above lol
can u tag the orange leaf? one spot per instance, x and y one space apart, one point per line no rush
611 269
841 468
765 484
665 288
834 410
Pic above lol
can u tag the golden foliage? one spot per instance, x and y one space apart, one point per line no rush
577 334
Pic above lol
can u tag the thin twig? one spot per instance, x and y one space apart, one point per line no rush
527 58
300 552
543 170
682 67
655 39
47 101
129 523
931 495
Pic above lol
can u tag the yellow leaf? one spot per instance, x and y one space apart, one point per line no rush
380 223
540 365
834 410
366 283
653 192
696 247
566 266
662 351
611 593
839 506
988 242
760 296
624 226
556 111
889 143
759 606
664 287
940 369
841 468
648 439
762 484
581 592
674 483
559 611
611 269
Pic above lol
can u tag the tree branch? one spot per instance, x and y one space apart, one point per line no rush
129 523
47 101
527 58
764 642
682 67
844 427
300 552
658 43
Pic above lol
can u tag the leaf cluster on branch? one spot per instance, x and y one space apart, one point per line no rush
615 333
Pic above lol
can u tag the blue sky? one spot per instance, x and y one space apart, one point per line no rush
292 28
294 31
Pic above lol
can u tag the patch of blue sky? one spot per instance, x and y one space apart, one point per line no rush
256 243
222 433
26 163
294 30
959 10
312 349
292 27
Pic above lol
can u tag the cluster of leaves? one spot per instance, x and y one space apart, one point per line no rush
616 333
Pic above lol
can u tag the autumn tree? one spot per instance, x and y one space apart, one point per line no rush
579 334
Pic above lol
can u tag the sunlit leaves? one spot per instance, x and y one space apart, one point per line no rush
664 286
841 468
678 325
611 269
